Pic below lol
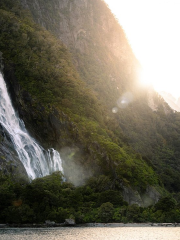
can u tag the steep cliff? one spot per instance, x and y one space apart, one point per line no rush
98 44
106 63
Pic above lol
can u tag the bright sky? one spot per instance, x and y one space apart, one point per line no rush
153 30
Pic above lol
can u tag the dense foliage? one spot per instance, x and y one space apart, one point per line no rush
49 198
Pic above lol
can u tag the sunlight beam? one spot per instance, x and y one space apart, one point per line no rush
152 28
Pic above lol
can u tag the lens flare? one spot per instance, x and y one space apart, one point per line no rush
115 110
124 100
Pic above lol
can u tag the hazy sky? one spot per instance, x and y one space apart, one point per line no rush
153 30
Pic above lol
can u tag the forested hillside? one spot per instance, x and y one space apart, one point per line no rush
74 82
105 61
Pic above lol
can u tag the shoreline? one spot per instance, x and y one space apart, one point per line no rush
59 225
132 224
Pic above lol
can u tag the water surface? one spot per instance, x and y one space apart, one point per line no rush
93 233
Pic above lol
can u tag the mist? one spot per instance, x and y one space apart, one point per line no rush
75 170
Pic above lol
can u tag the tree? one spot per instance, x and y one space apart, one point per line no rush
165 204
106 212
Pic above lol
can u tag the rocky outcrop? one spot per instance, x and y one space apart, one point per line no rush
149 197
69 222
131 196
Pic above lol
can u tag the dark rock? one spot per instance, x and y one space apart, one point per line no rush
69 222
149 197
56 126
50 223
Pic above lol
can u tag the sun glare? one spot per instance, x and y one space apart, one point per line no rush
152 28
155 79
161 78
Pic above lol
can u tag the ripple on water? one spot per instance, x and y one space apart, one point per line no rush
90 233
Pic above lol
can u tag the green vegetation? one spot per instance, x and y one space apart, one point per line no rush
50 198
110 69
42 68
70 107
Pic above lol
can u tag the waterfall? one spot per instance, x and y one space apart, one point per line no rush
37 161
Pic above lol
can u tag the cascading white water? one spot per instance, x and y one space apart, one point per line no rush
37 161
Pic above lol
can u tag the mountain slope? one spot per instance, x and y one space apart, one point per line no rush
98 44
88 104
105 62
60 110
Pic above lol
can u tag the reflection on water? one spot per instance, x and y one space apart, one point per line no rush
90 233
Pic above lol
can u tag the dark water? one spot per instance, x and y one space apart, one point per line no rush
93 233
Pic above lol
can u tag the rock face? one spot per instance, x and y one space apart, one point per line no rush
77 21
149 197
83 25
